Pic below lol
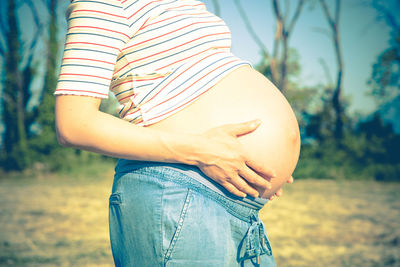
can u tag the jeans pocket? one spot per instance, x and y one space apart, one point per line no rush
173 225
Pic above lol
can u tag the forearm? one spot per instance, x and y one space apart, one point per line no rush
217 152
102 133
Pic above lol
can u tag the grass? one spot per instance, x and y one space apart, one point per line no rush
335 223
49 220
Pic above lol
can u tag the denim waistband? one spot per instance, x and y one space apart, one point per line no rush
197 175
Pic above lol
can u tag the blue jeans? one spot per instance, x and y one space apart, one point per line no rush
162 215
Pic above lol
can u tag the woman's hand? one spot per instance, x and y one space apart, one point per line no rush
225 161
217 152
280 191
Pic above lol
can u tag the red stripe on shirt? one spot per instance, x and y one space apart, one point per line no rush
120 84
138 80
116 48
159 36
143 7
142 27
86 75
96 11
121 99
187 102
175 7
192 84
179 15
177 77
83 91
96 60
98 28
204 36
210 48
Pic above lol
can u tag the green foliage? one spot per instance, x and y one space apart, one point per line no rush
367 151
67 160
385 77
293 66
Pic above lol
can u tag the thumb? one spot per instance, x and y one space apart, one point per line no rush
243 128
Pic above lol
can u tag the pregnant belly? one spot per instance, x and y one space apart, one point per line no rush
244 95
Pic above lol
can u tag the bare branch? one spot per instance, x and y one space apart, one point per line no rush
296 15
277 11
36 21
327 13
287 12
247 23
3 34
3 30
216 8
337 11
39 28
336 94
284 27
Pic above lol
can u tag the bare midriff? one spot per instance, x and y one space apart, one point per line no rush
243 95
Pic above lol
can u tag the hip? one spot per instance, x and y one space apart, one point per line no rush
161 216
165 174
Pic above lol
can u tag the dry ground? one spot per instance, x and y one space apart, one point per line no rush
60 221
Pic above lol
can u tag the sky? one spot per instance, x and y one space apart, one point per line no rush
362 39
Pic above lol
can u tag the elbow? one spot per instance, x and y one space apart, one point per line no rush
64 139
74 117
67 134
73 134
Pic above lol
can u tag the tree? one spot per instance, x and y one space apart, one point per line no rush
284 28
333 22
16 93
46 142
276 67
217 9
385 77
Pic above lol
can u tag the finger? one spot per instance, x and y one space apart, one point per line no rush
279 192
291 180
241 184
252 177
232 189
265 172
238 129
271 197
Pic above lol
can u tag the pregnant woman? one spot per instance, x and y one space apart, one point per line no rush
203 139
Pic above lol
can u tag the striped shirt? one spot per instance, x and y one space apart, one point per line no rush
156 56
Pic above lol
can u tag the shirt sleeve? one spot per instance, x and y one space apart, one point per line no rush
97 31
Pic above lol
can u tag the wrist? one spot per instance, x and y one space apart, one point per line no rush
183 148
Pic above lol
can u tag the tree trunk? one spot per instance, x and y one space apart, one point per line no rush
16 93
46 142
336 101
333 22
284 28
13 106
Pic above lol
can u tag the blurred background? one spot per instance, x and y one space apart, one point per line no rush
337 62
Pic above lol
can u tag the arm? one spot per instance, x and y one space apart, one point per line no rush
217 152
